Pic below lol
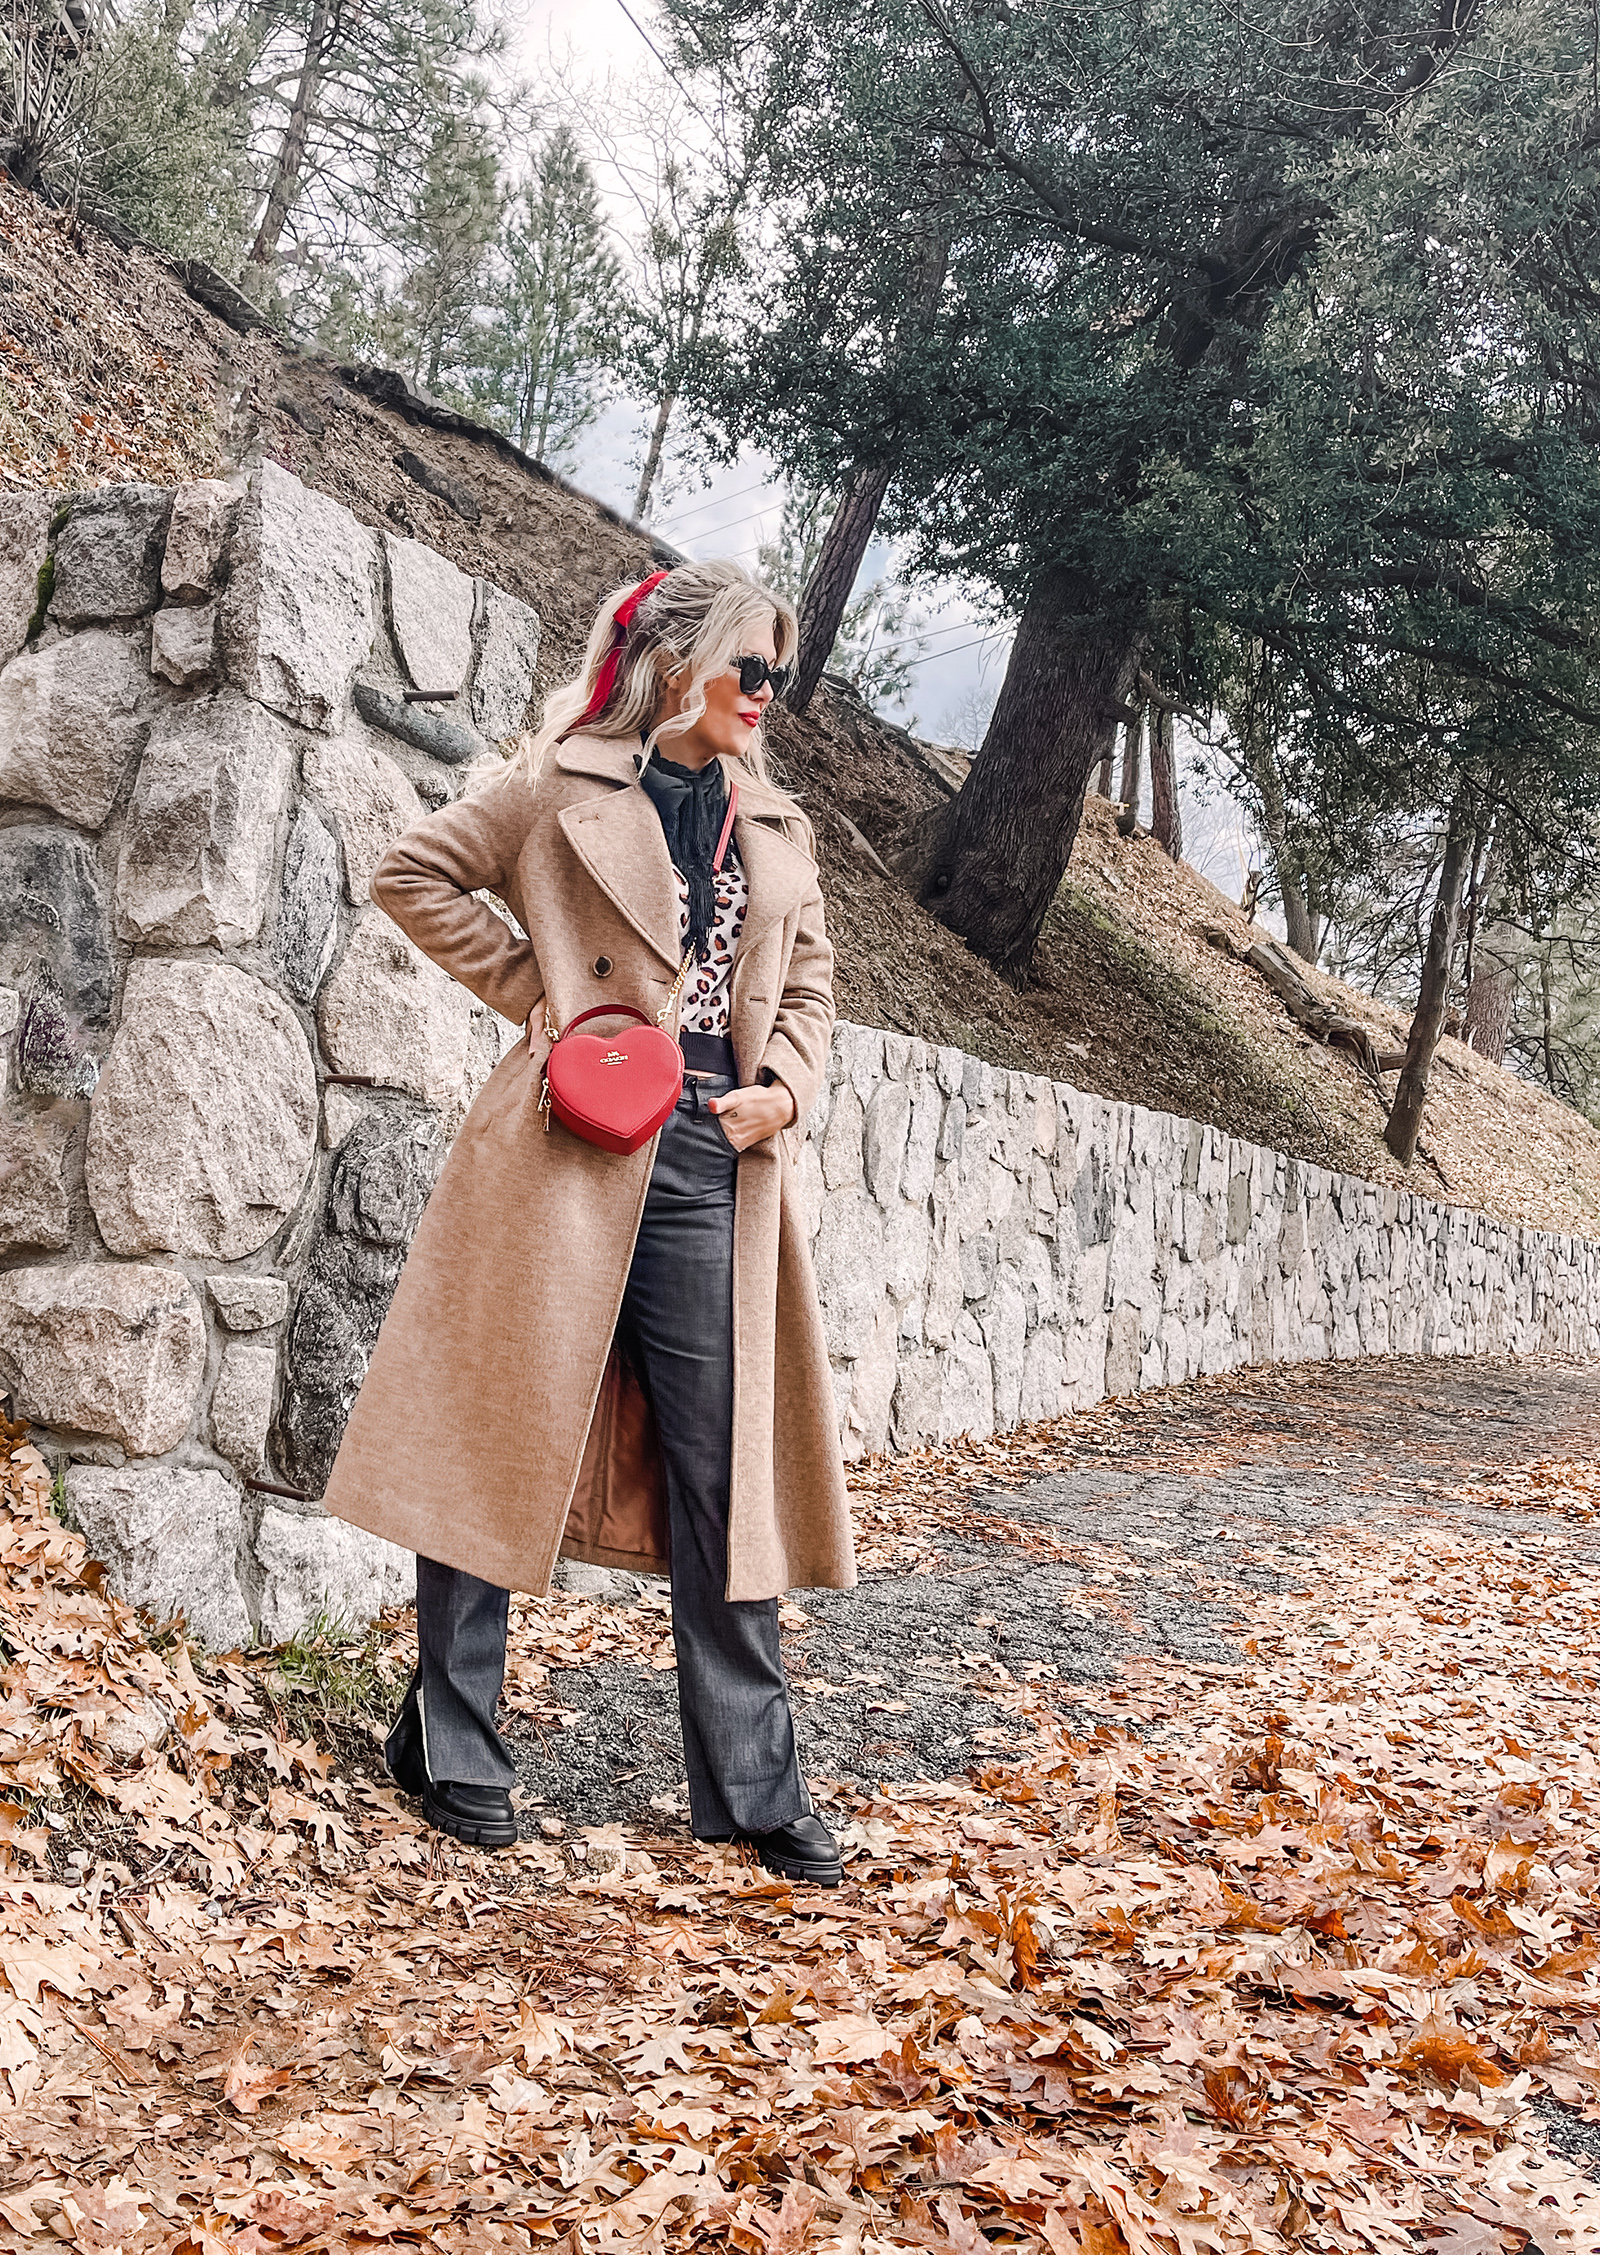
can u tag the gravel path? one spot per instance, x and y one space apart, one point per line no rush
1168 1524
892 1680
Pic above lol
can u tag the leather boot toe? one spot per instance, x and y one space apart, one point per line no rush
804 1849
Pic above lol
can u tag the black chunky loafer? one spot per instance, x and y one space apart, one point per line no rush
805 1849
479 1816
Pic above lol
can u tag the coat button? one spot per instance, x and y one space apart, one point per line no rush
602 966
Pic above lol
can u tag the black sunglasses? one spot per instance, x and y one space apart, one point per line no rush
753 671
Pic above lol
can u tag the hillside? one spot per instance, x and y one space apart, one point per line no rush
111 369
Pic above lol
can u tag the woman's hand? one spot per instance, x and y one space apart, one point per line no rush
750 1115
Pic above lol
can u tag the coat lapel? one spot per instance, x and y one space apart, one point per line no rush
778 872
618 838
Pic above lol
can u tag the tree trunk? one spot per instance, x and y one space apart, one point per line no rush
652 460
990 863
1405 1115
1166 816
1298 925
1132 766
1490 1000
285 189
827 591
1492 991
1103 780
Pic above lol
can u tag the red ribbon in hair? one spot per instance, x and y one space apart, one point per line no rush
622 619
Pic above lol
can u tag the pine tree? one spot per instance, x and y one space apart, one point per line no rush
555 304
170 158
1216 293
342 106
446 239
1269 328
688 247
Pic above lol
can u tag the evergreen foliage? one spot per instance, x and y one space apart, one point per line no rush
555 305
447 239
166 156
1268 333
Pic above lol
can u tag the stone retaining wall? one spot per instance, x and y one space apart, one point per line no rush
230 1082
994 1247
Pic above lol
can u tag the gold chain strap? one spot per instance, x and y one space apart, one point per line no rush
684 968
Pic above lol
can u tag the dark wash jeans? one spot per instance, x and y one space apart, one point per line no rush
676 1328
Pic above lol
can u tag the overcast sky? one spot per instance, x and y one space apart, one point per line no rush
729 511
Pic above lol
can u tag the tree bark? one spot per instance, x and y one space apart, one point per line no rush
1492 990
1298 924
1104 779
989 864
827 591
1166 816
285 188
1490 1000
652 460
1132 766
1405 1114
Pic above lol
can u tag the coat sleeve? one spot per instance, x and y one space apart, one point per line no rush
427 879
797 1049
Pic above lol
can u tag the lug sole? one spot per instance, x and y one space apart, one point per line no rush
788 1867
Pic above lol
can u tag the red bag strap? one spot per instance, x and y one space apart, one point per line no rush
727 827
603 1010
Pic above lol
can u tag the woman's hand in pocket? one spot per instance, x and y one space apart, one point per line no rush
751 1115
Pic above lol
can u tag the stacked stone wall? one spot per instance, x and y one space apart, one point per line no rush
994 1247
230 1082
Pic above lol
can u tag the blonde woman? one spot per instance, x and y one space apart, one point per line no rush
620 1358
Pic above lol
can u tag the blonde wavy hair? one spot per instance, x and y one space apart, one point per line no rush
700 616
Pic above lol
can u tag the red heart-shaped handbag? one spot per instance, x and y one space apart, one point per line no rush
617 1093
614 1091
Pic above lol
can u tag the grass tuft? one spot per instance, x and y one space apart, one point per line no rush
60 1505
44 588
335 1672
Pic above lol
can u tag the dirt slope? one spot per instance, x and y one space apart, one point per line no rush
110 369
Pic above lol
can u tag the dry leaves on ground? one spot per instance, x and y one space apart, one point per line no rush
1503 1144
87 397
1271 1958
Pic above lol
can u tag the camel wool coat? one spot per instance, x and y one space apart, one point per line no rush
497 1426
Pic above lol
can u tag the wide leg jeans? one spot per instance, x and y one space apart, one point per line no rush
676 1327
